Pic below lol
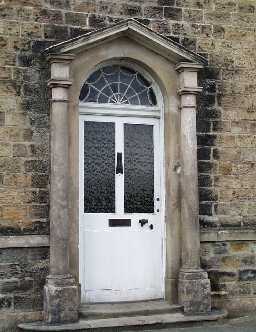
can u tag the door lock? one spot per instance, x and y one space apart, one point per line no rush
143 222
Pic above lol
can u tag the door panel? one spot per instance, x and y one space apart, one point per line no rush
120 263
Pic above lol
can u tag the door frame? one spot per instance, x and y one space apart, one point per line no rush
139 112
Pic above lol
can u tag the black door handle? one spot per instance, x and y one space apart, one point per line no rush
143 222
119 163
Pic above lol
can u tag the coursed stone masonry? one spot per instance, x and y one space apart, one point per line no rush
221 30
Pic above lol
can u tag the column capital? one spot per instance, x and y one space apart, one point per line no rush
190 90
53 83
188 83
60 66
60 58
188 66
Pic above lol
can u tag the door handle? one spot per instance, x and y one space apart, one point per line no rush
143 222
119 163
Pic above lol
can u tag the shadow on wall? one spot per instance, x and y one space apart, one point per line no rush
208 124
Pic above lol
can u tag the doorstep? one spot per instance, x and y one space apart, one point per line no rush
125 323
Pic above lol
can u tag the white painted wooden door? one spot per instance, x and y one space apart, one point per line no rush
121 228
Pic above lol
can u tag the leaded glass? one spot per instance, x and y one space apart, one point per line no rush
99 167
138 168
117 85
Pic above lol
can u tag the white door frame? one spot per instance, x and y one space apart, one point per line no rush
140 112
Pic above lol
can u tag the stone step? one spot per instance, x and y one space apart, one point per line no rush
142 308
141 323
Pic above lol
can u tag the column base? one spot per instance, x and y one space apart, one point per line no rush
61 299
194 291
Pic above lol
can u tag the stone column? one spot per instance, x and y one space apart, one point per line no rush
194 286
61 295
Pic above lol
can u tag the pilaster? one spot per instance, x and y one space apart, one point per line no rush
61 292
194 289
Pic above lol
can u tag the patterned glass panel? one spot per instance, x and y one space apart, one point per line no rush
138 168
99 167
118 85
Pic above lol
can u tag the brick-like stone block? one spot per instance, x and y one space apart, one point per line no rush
56 32
87 6
27 302
39 181
2 118
97 21
173 13
31 30
77 19
9 285
247 275
153 12
36 166
130 10
6 302
193 15
44 15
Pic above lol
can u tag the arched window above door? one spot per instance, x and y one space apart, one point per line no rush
115 84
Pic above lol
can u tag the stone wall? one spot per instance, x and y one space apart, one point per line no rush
221 30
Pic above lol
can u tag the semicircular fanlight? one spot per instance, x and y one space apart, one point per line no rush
117 85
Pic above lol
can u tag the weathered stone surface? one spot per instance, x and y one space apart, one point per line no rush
61 301
194 292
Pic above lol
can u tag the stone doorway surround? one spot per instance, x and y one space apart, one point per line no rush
175 71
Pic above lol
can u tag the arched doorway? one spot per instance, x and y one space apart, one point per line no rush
175 71
121 224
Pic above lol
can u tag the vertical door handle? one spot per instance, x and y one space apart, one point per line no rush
119 163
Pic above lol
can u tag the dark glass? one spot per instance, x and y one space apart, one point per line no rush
138 168
99 167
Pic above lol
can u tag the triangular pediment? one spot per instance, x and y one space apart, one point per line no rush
134 30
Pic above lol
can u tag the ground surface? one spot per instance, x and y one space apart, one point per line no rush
243 324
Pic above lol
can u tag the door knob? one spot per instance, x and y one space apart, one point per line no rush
151 226
143 222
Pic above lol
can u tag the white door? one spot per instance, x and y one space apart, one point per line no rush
121 228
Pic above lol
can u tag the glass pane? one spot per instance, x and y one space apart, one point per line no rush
138 168
99 167
118 85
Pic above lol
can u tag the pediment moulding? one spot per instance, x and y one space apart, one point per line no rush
174 52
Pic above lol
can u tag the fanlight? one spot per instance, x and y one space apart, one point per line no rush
117 85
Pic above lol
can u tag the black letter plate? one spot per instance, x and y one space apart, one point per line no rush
119 222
